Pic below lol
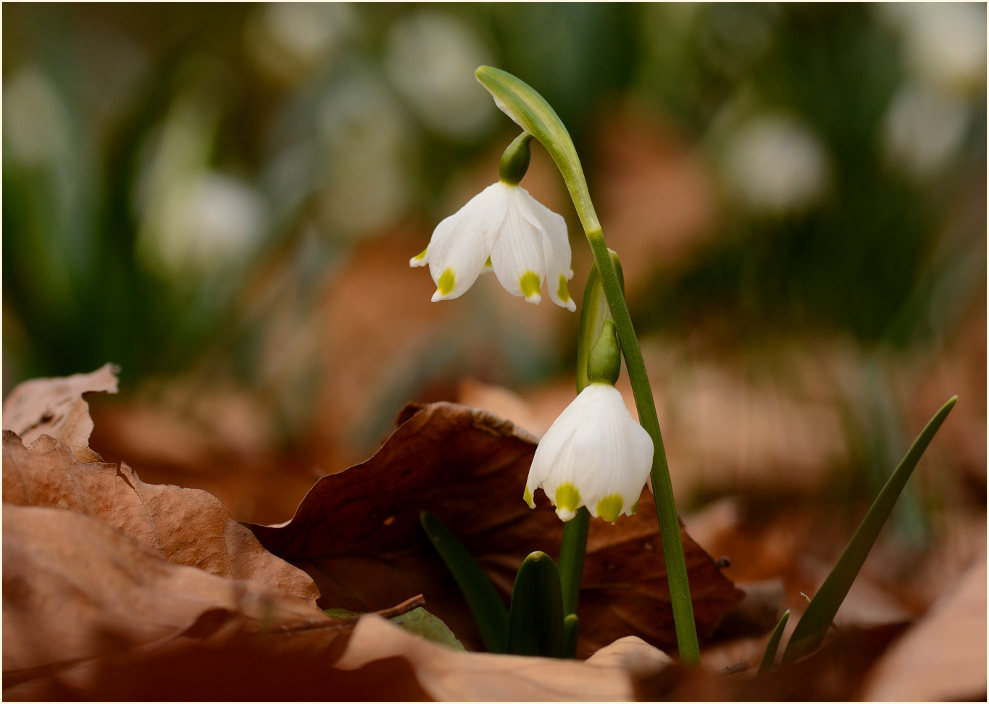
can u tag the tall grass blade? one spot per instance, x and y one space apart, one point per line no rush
814 624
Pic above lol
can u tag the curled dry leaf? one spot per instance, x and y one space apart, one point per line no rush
186 526
357 533
77 594
449 675
55 407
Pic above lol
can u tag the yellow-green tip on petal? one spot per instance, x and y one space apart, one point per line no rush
446 282
635 507
561 292
418 258
488 264
567 501
529 283
527 497
610 507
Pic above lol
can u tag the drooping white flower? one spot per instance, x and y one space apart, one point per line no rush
595 455
505 229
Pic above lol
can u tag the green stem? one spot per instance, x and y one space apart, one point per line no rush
573 547
572 550
662 486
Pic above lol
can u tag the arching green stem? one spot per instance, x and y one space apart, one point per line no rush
534 115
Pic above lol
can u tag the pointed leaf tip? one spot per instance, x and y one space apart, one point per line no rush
816 620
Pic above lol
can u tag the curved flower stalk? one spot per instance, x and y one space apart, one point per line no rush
504 229
594 455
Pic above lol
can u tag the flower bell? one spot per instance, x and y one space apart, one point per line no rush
595 454
505 229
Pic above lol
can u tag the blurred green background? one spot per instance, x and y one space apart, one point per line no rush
183 183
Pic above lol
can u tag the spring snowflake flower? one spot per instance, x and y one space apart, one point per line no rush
595 455
504 229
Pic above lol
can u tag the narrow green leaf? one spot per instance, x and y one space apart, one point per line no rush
535 620
769 657
571 630
814 624
485 605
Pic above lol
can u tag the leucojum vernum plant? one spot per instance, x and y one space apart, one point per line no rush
595 459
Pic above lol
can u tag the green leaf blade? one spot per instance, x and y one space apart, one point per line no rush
769 657
485 605
571 632
816 621
535 621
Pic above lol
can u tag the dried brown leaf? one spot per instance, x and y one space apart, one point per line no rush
833 673
943 656
449 675
76 592
186 526
55 407
381 663
357 532
244 669
101 600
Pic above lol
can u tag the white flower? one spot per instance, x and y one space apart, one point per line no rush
593 455
505 229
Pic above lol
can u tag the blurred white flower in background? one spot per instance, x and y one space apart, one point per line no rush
286 40
194 220
923 129
35 121
431 59
365 151
945 55
775 163
207 222
945 43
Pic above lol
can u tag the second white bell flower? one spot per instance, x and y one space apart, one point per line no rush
595 455
505 229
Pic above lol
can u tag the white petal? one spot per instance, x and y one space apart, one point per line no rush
619 447
421 259
554 455
556 246
458 249
517 251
